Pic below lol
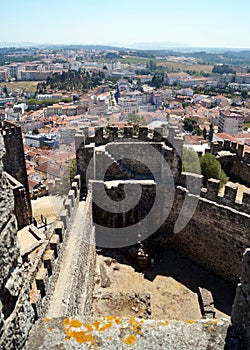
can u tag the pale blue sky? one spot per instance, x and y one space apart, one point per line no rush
198 23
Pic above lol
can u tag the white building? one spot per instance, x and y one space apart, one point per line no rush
231 122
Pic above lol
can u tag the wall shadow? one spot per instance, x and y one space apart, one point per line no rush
173 264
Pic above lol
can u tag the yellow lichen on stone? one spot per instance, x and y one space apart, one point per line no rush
213 321
190 321
117 320
67 321
47 319
96 324
76 323
80 336
50 329
89 327
129 340
105 326
164 323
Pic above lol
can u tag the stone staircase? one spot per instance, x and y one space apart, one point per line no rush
118 170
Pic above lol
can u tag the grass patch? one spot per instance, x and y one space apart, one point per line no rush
22 85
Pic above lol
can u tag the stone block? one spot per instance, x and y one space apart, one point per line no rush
98 134
143 133
36 302
213 186
158 134
42 280
64 218
240 150
71 197
48 260
74 187
68 207
59 230
233 146
227 145
246 157
128 131
113 133
229 195
77 179
54 244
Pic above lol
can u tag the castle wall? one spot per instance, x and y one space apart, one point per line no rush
209 239
48 265
241 308
14 164
234 161
216 234
235 170
16 313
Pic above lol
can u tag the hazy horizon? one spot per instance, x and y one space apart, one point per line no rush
83 22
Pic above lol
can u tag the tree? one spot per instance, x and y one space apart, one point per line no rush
68 177
189 124
211 168
151 65
35 131
223 69
157 81
190 161
244 94
204 131
211 132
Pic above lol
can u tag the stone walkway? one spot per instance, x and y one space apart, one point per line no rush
57 305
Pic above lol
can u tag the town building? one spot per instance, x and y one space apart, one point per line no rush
231 121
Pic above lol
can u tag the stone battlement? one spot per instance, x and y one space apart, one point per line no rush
212 193
9 128
233 147
103 136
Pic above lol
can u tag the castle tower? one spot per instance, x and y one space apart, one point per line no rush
14 165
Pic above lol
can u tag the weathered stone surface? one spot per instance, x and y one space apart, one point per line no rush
112 332
241 306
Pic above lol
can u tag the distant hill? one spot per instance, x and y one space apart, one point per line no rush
160 45
61 46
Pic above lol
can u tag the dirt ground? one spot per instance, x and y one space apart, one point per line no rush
48 206
172 285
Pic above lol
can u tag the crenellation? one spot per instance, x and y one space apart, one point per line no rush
49 261
68 207
113 133
178 145
71 197
54 244
143 133
172 132
99 139
246 157
191 181
36 303
227 145
64 218
240 150
42 280
215 147
158 135
79 139
230 194
60 230
128 132
213 187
